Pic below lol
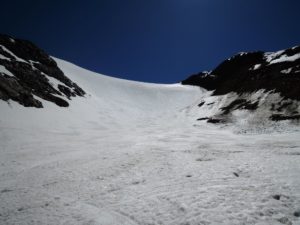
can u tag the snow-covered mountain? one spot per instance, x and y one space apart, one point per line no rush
251 88
264 84
125 152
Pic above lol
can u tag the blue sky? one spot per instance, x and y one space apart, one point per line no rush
160 41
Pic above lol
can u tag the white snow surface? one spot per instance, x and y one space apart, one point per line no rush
133 153
272 55
285 58
4 70
256 66
287 71
278 57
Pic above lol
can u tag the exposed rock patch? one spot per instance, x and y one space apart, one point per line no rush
248 73
28 71
278 117
276 197
214 120
203 118
240 104
201 104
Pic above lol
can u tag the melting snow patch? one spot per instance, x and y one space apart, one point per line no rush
255 67
4 70
272 55
3 57
286 71
6 50
285 58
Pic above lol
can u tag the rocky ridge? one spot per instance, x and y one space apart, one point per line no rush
245 74
27 72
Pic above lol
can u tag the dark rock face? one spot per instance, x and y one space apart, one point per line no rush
201 104
249 72
239 104
202 79
27 74
203 118
214 120
278 117
246 73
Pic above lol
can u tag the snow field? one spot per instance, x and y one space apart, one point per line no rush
133 153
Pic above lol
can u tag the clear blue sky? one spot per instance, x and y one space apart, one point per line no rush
161 41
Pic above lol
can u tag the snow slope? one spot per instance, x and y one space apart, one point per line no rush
133 153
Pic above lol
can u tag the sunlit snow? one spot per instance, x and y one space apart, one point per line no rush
134 153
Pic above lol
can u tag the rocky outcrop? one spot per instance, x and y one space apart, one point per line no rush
27 72
247 73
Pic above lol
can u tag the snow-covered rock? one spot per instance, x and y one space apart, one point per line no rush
245 75
26 72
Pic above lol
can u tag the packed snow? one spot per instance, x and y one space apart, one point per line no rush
134 153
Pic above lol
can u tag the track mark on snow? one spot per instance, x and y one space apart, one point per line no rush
204 159
236 174
5 190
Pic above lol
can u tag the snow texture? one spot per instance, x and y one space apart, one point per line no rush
133 153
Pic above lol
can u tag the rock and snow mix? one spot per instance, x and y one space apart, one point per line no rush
285 58
27 71
134 153
5 71
287 71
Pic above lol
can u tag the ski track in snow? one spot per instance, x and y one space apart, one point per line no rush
128 153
